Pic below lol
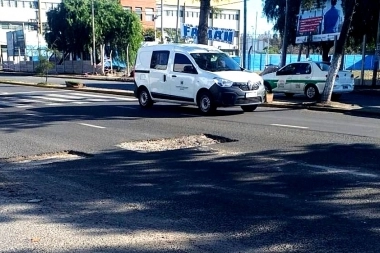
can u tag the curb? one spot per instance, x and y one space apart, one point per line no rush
314 107
309 106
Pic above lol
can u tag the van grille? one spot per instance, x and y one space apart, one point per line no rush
245 87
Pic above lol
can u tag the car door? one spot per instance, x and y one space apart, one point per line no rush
285 77
159 85
301 77
182 78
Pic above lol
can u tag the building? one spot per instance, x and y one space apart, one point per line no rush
145 9
226 16
23 15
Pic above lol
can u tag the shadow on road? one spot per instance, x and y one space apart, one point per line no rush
309 200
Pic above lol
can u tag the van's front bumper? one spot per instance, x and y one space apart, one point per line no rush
234 96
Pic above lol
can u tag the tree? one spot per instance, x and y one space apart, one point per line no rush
70 26
349 8
205 8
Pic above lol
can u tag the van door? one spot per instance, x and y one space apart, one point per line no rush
159 86
182 78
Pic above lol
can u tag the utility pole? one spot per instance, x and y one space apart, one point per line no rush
285 37
244 33
93 37
176 25
39 18
377 53
162 21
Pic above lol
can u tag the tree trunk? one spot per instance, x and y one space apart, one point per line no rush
285 40
203 22
326 46
338 54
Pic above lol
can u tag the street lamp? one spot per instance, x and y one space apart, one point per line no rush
93 37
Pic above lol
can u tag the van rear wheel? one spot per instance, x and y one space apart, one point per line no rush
145 100
206 103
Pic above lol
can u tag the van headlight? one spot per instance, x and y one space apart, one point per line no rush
222 82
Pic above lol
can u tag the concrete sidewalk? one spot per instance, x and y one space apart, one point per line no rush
363 101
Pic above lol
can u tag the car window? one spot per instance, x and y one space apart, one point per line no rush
287 70
180 62
323 66
159 60
215 62
303 69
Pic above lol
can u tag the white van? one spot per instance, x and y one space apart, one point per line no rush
194 74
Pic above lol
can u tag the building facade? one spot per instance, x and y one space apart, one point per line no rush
226 16
145 9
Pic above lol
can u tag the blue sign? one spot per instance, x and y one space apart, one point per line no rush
217 34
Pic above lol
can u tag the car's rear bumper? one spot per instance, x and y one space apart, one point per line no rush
343 88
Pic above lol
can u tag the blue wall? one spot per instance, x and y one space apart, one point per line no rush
257 62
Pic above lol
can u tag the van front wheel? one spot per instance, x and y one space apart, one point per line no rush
145 100
206 104
249 108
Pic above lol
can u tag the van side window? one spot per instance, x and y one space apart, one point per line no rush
180 62
159 60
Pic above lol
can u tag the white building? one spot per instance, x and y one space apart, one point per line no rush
227 16
23 15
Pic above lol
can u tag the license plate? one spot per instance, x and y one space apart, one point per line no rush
251 94
345 87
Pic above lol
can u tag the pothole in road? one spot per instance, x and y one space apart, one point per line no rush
47 157
183 142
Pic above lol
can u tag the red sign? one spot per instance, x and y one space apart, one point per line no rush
309 24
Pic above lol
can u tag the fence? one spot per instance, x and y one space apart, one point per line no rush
67 67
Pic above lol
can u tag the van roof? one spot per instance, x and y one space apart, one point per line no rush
182 47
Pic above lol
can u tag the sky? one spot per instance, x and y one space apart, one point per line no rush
256 6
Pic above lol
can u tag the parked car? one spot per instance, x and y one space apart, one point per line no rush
194 74
307 78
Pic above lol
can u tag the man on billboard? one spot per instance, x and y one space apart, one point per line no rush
331 19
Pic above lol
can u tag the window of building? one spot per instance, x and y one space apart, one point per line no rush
181 14
127 8
197 14
138 11
187 13
159 60
149 14
237 16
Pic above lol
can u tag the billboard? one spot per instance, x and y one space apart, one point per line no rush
214 33
320 23
16 43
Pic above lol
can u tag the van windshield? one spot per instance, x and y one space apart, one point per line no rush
215 62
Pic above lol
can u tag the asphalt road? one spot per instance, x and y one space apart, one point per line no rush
291 181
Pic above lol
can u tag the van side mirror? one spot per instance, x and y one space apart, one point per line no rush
189 69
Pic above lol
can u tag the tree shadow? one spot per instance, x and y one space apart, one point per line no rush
316 198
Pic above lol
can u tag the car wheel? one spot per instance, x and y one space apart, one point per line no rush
249 108
145 100
311 92
205 103
289 95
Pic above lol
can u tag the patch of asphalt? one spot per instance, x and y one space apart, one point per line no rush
332 107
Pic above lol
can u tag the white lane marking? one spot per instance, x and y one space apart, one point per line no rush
32 114
54 104
27 92
341 171
79 103
23 106
100 96
55 99
65 96
89 125
290 126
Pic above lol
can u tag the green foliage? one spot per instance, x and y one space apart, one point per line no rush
70 27
43 67
149 32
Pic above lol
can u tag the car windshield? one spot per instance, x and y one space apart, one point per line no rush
215 62
323 66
